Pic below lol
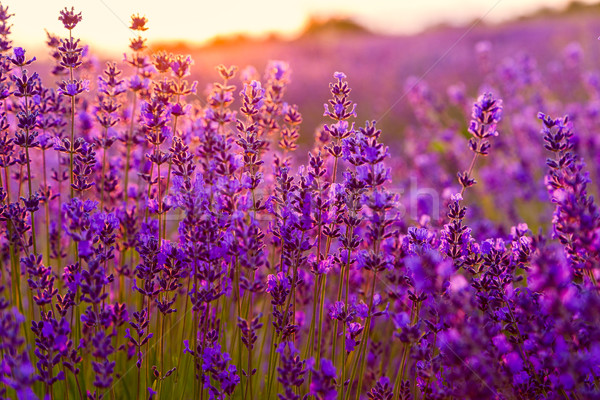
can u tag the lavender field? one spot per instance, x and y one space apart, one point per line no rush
429 233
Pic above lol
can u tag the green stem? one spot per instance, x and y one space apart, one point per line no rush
162 318
103 168
321 307
344 273
72 149
264 338
128 149
33 238
406 350
308 352
365 340
168 183
185 312
270 371
7 184
46 211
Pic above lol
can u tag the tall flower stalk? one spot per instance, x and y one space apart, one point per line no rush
138 84
71 53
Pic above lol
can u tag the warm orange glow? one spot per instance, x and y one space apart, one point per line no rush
105 21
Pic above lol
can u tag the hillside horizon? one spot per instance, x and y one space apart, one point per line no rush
349 25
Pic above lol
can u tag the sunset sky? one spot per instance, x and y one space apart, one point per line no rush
105 21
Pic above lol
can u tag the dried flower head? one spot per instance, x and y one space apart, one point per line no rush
69 18
162 61
138 23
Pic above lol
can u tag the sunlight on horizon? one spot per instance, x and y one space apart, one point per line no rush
105 22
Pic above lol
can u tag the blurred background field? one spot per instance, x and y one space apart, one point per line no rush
378 66
378 63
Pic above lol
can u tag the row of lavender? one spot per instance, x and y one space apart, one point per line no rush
155 248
